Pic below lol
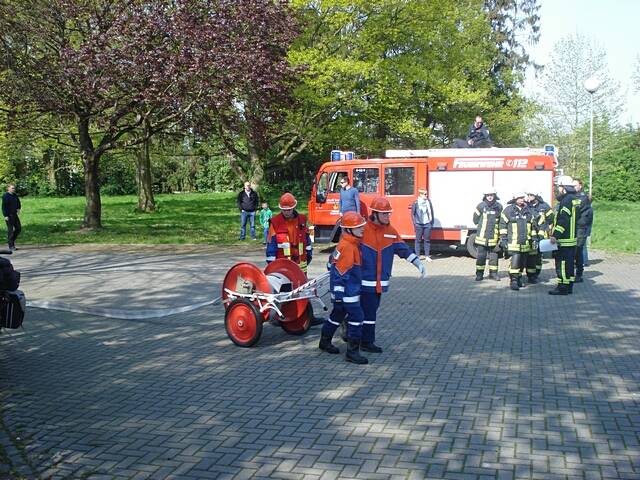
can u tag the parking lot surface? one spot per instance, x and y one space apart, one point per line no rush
475 381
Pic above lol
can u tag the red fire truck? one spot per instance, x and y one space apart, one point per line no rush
455 179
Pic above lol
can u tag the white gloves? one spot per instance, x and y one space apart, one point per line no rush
418 264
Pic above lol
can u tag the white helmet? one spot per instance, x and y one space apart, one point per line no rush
519 195
490 191
564 181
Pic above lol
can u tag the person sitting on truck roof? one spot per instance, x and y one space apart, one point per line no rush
349 197
477 136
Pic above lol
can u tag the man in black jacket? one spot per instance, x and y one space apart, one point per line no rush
478 135
248 202
10 211
584 221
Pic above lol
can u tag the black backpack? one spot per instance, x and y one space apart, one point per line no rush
12 308
9 278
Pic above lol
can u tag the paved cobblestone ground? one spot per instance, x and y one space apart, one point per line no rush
476 382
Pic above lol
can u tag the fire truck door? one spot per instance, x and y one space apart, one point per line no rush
401 191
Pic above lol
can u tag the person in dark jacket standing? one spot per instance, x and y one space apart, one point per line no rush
486 217
247 204
516 226
543 215
584 222
563 233
10 211
422 217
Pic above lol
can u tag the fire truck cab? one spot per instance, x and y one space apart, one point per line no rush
455 179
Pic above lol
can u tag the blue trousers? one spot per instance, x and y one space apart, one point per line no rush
370 302
349 312
422 232
244 216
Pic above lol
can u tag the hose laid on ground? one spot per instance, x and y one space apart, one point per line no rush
117 313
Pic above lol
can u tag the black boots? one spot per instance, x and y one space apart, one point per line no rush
514 285
370 347
561 289
479 276
494 276
353 353
326 345
532 279
522 282
579 278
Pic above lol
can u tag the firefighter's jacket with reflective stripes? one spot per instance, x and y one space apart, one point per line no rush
487 220
345 270
565 225
289 238
516 225
543 217
379 244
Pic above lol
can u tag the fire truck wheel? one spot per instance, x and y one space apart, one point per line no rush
300 325
471 245
243 322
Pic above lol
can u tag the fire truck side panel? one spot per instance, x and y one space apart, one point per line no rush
455 179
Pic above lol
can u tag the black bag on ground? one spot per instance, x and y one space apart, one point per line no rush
12 308
9 278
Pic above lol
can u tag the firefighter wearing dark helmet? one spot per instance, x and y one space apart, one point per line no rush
486 217
543 215
516 227
563 233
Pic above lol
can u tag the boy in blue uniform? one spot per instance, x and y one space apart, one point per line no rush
345 284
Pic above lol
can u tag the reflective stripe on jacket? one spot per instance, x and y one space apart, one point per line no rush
565 225
516 226
379 244
345 270
487 220
281 245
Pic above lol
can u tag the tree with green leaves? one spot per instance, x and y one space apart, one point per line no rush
566 104
113 69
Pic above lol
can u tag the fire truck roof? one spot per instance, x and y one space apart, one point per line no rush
465 152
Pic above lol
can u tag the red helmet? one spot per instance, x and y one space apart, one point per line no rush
381 204
287 202
352 220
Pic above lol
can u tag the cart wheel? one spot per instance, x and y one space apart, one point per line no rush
301 325
243 322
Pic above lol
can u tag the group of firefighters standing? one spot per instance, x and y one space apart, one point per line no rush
360 266
518 229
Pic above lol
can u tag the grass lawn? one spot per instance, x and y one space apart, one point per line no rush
212 218
616 226
205 218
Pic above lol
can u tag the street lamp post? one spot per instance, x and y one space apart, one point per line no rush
591 85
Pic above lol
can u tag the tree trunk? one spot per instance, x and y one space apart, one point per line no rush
146 202
91 161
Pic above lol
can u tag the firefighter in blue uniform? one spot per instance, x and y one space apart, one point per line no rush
486 217
563 234
380 242
345 283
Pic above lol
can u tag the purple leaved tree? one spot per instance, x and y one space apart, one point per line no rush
119 71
